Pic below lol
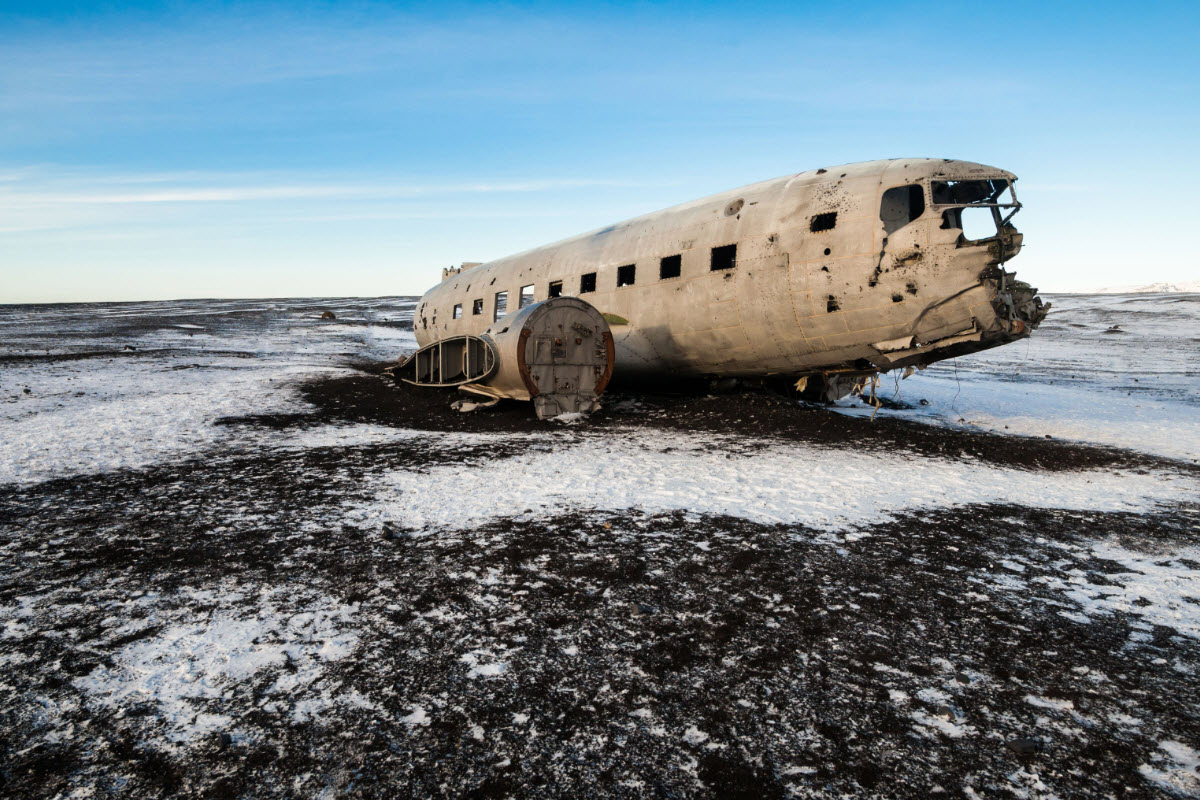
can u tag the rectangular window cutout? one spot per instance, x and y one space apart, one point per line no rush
477 306
625 275
458 310
901 205
823 222
501 305
587 283
670 267
724 257
555 289
526 298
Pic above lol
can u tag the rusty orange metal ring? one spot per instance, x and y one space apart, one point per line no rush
522 367
611 348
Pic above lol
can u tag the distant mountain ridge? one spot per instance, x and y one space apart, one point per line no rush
1152 288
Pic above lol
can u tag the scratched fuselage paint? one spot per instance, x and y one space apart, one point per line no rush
797 301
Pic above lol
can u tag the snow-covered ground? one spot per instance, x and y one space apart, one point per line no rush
213 581
94 388
776 483
1161 287
125 385
1121 370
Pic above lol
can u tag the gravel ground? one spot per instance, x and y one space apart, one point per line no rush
233 625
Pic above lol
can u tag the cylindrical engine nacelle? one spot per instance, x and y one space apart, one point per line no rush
557 353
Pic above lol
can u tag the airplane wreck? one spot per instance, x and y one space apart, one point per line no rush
825 278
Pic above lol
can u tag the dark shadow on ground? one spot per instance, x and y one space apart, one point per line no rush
373 398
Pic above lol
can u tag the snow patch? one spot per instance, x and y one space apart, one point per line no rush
191 669
779 483
1176 768
418 717
1073 378
943 726
1049 703
1161 588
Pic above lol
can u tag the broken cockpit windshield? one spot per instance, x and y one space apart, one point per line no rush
983 207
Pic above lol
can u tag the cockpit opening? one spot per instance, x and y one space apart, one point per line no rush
980 208
975 223
967 192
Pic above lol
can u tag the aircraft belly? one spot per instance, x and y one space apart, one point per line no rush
634 352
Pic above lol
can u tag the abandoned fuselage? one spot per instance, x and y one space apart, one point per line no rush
833 273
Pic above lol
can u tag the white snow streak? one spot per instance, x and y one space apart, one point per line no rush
782 483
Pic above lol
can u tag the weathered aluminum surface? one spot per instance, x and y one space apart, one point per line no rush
557 352
831 276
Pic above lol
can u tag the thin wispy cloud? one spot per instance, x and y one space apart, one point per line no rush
39 201
28 192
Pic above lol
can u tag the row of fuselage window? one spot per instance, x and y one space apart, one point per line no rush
723 257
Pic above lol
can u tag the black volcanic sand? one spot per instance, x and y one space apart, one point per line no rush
665 655
374 398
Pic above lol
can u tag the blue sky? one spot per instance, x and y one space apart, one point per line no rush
237 150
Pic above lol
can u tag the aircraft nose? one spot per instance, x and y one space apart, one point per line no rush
1013 243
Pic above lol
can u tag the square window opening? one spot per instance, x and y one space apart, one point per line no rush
626 275
477 307
900 206
724 257
587 282
458 310
501 307
823 222
670 267
555 289
526 298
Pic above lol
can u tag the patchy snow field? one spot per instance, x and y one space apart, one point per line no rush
94 388
1110 369
234 562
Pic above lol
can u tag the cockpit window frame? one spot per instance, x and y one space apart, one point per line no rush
1000 218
